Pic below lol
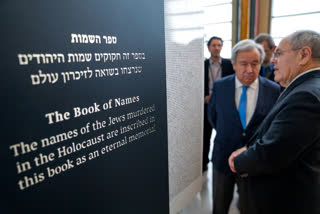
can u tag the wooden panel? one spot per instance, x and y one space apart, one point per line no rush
244 20
234 22
256 18
264 16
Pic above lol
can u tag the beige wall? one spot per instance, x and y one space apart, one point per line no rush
264 16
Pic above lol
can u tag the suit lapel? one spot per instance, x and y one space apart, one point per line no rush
231 90
259 110
279 102
260 103
297 82
222 67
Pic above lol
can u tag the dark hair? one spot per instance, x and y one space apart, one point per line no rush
214 37
265 37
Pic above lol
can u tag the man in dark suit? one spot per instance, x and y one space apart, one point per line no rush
214 68
267 42
237 106
282 161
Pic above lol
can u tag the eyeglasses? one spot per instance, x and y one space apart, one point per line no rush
279 52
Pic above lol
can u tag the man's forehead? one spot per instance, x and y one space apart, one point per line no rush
243 53
284 44
215 41
244 57
248 59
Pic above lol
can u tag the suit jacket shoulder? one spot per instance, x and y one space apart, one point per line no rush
270 84
227 68
206 77
286 152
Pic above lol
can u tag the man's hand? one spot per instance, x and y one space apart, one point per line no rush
233 156
207 99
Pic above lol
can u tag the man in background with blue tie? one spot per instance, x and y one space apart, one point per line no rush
237 106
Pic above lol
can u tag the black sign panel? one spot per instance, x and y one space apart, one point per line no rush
83 107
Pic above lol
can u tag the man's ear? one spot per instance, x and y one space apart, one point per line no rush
234 67
273 48
305 54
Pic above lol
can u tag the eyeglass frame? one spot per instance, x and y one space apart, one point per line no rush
278 52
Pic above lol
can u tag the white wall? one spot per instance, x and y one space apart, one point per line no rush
184 68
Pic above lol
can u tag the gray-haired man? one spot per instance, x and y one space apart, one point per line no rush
237 106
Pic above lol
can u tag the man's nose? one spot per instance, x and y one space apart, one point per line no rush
249 68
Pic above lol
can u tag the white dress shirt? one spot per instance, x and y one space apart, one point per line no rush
252 97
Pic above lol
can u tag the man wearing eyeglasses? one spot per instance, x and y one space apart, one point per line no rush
282 160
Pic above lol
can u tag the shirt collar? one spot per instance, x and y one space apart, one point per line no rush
308 71
211 62
253 85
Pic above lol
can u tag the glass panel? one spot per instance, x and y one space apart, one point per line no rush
286 7
182 6
218 22
215 2
281 27
186 36
191 20
223 30
277 41
226 50
216 14
184 21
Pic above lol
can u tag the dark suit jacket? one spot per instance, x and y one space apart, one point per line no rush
226 69
283 160
224 117
263 72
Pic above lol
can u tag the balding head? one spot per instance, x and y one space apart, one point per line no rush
296 54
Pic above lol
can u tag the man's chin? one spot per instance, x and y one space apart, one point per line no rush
279 81
276 76
249 81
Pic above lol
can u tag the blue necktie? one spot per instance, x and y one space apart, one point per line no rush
243 106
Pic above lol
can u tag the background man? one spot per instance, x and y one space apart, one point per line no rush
268 44
215 68
282 161
237 106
